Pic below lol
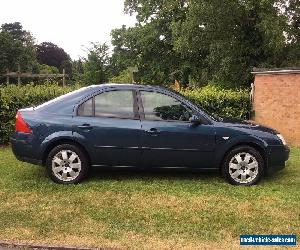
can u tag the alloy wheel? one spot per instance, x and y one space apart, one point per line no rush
66 165
243 167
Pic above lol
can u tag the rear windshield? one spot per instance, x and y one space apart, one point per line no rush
62 97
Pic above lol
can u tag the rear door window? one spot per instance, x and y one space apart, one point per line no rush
115 104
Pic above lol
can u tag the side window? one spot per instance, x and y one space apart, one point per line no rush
158 106
115 103
86 108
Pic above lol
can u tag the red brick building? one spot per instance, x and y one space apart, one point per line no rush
276 101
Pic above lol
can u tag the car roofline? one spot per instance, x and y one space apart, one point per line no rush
103 85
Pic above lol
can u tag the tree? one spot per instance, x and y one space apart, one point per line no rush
50 54
96 65
291 9
207 40
125 76
16 48
148 47
77 70
17 32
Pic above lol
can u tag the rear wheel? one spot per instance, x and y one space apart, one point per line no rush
243 165
67 164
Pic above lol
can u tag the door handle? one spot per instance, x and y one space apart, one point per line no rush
85 126
152 131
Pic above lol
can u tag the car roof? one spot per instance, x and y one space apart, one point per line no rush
125 85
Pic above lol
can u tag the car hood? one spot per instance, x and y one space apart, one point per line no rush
246 124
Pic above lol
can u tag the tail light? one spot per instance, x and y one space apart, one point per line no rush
21 125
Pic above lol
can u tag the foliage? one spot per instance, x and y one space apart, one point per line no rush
125 76
185 41
95 67
16 48
52 55
14 98
77 69
215 100
205 41
292 11
223 102
143 47
46 69
17 32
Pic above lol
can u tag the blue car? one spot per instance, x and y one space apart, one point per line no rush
126 125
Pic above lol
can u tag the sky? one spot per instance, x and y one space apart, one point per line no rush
70 24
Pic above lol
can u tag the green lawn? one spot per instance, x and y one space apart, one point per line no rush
143 210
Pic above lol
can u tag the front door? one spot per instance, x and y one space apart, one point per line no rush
109 126
169 139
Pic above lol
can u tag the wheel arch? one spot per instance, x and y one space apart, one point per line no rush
254 145
55 143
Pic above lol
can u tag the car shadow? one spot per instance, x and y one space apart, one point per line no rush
148 174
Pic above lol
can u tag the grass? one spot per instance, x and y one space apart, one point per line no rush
144 210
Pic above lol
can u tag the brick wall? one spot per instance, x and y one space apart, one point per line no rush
277 102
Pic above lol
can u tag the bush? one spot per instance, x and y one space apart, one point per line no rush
213 99
13 98
225 102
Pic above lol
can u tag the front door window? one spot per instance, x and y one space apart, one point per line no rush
158 106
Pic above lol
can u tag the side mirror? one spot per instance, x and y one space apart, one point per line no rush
195 119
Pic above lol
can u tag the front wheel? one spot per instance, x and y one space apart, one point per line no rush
243 165
67 164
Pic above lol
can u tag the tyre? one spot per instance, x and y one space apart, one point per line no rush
243 166
67 164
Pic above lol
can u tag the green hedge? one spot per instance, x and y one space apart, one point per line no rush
225 102
13 98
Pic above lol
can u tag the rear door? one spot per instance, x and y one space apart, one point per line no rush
169 139
109 126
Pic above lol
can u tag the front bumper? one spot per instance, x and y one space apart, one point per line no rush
276 158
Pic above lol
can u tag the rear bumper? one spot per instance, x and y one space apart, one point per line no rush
22 148
276 158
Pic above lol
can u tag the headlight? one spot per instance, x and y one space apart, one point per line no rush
282 139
